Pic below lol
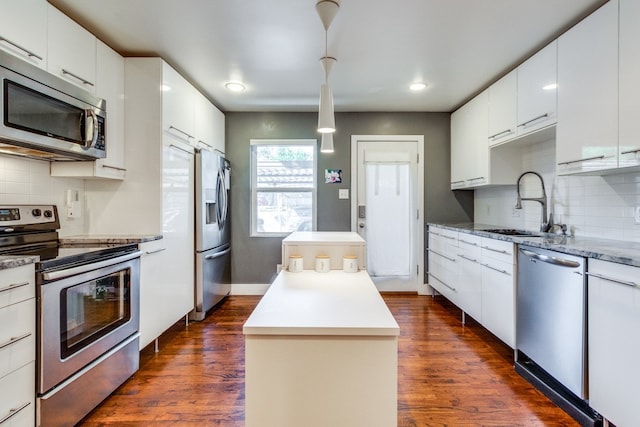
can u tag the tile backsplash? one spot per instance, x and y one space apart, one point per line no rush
26 181
591 206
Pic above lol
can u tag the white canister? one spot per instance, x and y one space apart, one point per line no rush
295 263
350 263
323 264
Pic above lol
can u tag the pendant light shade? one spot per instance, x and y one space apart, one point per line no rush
326 121
326 146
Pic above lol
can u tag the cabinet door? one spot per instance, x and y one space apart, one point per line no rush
469 148
537 88
17 397
71 51
614 314
23 30
498 300
587 130
470 275
502 109
204 125
178 105
629 84
110 86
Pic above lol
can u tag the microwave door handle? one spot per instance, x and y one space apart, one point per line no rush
90 136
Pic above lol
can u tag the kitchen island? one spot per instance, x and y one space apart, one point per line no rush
321 349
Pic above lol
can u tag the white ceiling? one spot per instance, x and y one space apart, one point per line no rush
457 47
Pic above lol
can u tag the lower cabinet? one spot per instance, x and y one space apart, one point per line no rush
614 319
477 274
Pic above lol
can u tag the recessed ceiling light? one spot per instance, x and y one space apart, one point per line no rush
417 86
550 86
235 86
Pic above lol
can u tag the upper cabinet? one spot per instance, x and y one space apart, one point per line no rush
23 30
502 109
71 51
469 150
629 79
110 86
178 105
537 83
209 126
587 130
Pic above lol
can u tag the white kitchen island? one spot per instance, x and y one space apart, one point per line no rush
321 349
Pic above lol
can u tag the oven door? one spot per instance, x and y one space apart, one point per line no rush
84 315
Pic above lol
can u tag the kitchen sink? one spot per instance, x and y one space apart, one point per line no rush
512 232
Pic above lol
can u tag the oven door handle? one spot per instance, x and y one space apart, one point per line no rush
60 274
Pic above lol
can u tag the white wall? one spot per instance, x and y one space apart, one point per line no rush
25 181
592 206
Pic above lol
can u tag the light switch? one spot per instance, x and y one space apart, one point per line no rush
343 193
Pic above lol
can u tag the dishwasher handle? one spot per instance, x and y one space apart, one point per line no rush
550 259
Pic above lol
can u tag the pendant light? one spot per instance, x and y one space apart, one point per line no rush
326 146
327 10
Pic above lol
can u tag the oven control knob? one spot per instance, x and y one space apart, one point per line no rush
36 212
48 214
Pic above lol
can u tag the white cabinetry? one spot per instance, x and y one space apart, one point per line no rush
17 346
629 84
71 50
178 106
469 274
23 30
443 263
469 149
537 84
110 86
587 130
498 289
156 198
502 109
209 125
614 318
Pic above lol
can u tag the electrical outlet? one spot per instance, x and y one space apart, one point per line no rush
343 193
637 215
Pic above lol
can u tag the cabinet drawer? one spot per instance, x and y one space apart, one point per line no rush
469 246
17 284
499 250
17 397
17 335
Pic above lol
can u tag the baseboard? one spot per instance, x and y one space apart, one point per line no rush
249 288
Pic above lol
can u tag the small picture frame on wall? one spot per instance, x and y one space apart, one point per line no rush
332 176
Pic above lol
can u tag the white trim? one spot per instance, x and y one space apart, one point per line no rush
249 289
422 288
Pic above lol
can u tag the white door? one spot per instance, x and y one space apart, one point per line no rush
386 207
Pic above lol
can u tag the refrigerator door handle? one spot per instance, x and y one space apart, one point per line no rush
218 254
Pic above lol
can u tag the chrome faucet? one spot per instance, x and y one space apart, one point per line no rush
545 225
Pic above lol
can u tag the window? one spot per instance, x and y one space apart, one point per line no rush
283 186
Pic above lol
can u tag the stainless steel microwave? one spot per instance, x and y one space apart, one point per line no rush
45 117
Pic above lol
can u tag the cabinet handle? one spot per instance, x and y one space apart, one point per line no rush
77 77
467 258
17 46
448 237
204 143
542 116
581 160
480 178
443 256
434 233
468 243
14 340
181 131
14 411
635 150
155 252
500 251
180 149
611 279
13 286
114 167
450 287
500 133
496 269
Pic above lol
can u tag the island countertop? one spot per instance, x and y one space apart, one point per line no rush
311 303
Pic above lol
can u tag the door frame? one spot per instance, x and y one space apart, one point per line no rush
421 288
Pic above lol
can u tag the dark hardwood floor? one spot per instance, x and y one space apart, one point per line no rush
449 374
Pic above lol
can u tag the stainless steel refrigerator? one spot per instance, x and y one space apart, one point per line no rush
213 231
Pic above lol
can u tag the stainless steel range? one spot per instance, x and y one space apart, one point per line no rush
87 314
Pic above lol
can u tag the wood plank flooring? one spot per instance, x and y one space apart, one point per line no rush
449 374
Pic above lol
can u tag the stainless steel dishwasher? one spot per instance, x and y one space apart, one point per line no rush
551 333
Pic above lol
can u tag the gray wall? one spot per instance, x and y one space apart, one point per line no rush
254 259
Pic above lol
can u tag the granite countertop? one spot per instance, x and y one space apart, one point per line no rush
107 239
12 261
619 251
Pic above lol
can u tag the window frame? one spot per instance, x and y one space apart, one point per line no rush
253 231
